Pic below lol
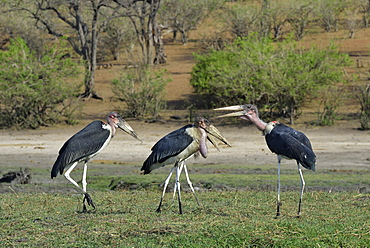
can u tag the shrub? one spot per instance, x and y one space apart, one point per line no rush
142 90
261 72
34 89
364 99
331 98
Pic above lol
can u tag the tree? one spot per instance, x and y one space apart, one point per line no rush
299 14
365 11
18 24
241 18
255 70
118 35
352 12
143 15
278 11
329 12
85 19
185 15
36 90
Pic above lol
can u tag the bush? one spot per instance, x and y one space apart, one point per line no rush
331 98
34 91
142 90
261 72
364 99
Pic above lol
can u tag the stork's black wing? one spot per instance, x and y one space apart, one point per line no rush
170 145
81 145
301 137
292 144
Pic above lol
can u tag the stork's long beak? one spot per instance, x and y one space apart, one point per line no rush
214 133
128 129
233 108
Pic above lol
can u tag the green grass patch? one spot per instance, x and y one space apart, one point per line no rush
227 219
239 205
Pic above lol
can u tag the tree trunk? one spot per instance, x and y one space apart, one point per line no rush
89 54
160 56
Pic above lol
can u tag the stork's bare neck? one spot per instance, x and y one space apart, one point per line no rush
252 116
201 123
203 143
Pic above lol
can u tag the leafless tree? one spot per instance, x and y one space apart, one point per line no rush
143 15
329 12
241 18
300 12
275 14
185 15
352 12
118 35
365 11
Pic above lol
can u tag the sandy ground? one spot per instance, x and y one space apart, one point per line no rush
339 148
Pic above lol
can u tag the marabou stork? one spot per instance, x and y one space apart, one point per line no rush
179 145
84 145
285 141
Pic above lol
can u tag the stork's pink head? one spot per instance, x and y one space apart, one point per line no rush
116 121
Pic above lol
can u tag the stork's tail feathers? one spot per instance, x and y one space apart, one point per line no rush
151 163
146 166
309 161
57 167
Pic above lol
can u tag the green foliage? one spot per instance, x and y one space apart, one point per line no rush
236 74
264 73
32 89
142 90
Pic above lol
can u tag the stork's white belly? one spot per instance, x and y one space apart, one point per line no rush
184 155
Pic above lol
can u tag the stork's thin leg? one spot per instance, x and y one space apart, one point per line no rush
178 187
278 189
84 175
175 187
66 174
164 188
302 189
190 184
87 197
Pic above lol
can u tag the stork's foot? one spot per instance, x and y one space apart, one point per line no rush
278 209
180 209
89 201
159 206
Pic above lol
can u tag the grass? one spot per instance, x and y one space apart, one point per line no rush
241 216
227 219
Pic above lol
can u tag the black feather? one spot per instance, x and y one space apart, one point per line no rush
170 145
80 146
290 143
